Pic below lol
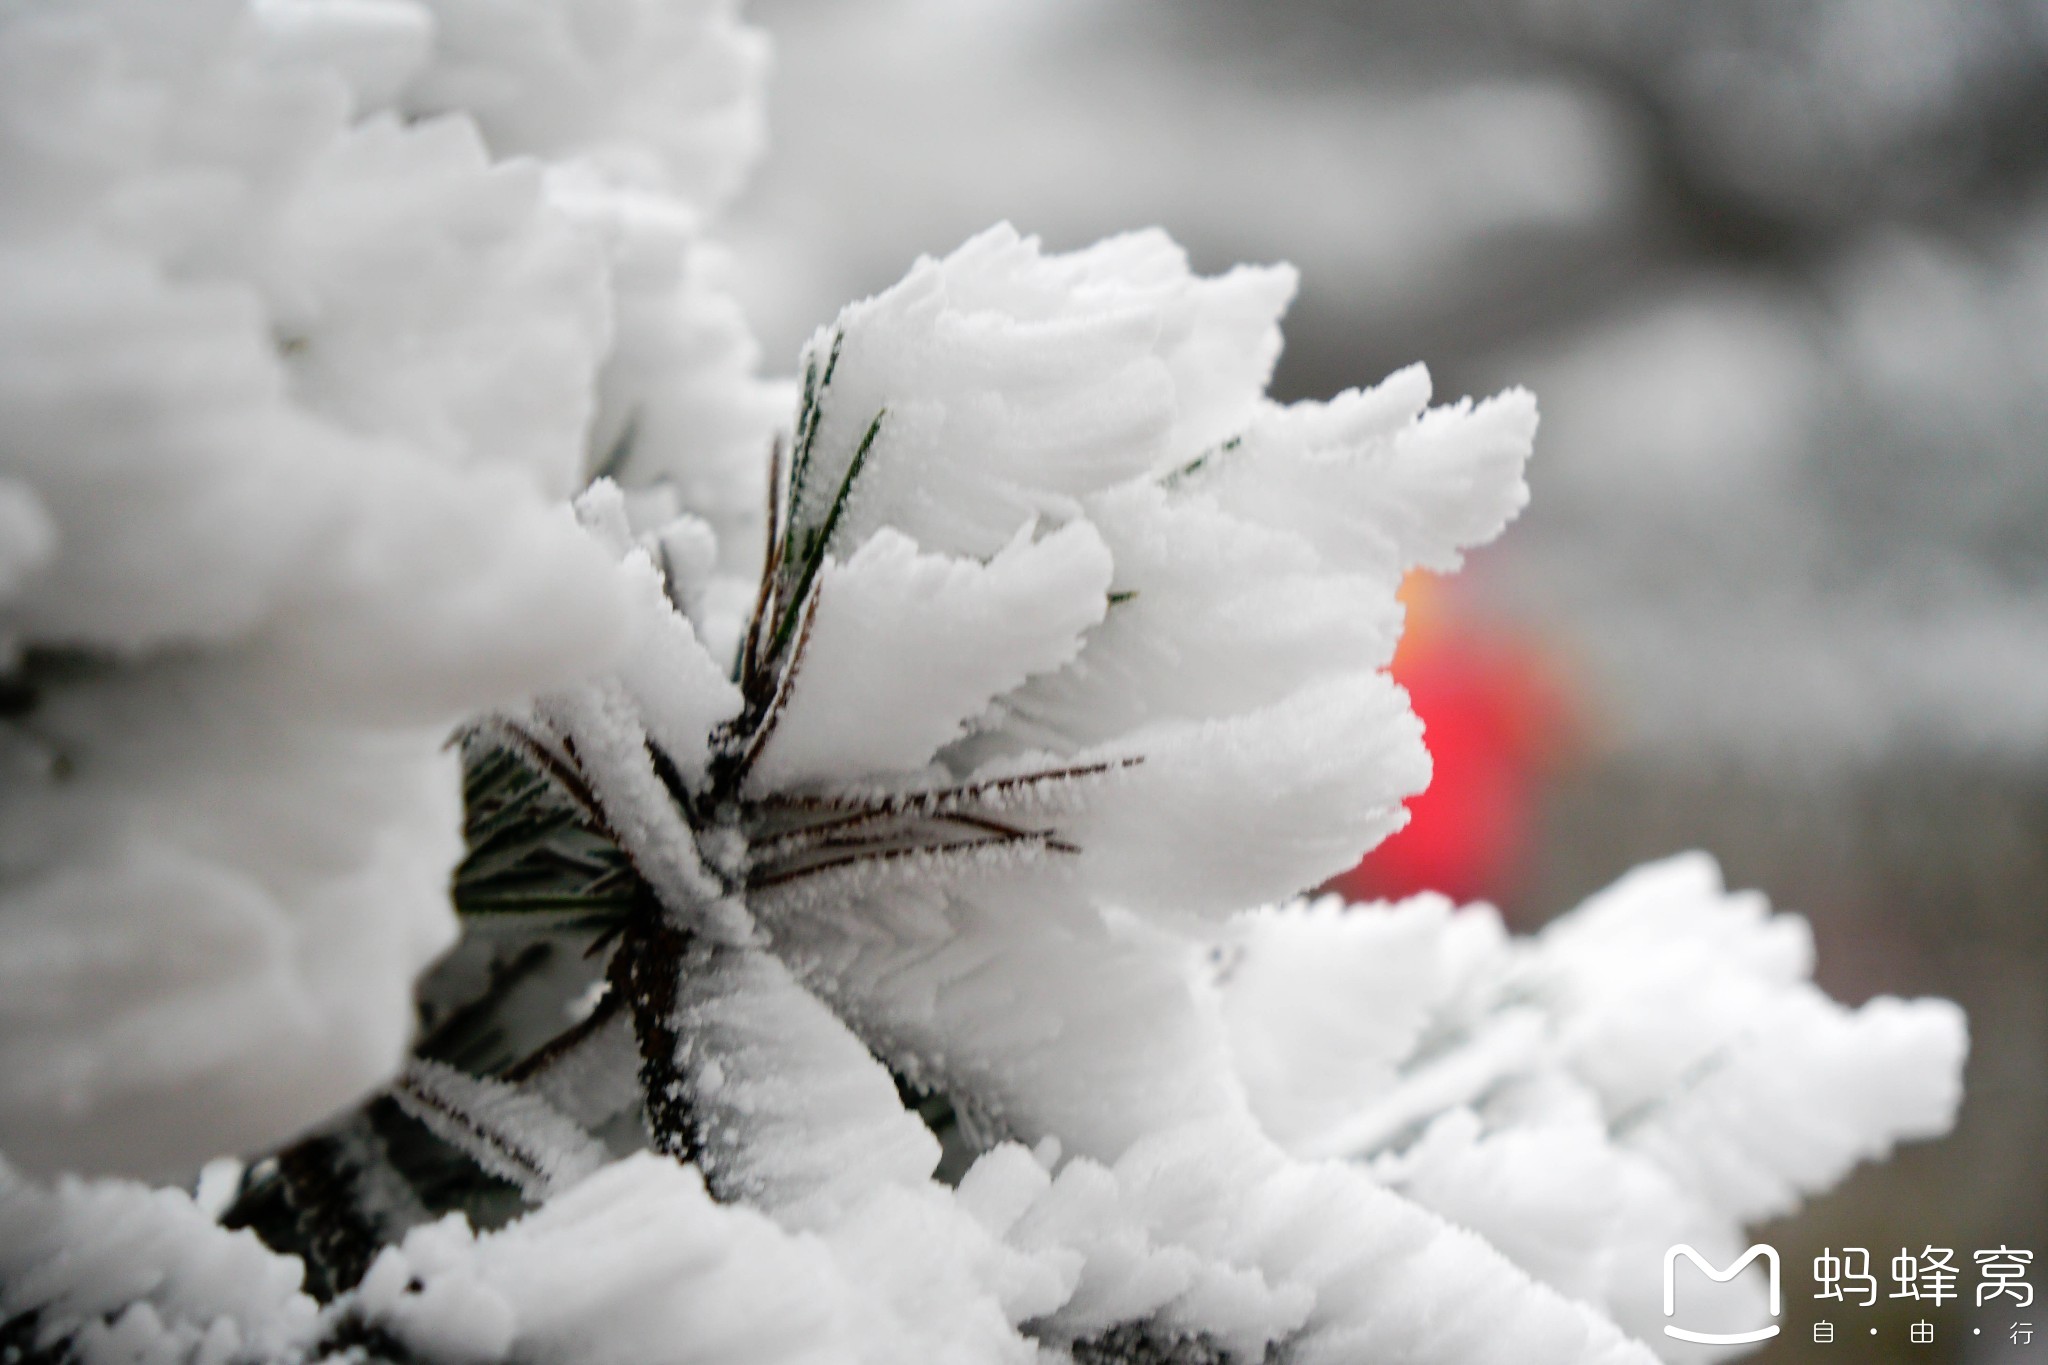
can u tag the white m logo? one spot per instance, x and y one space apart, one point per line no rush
1769 1254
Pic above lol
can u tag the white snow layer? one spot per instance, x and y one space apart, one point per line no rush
1653 1068
143 1277
318 314
1577 1155
293 389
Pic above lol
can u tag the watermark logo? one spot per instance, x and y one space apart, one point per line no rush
1770 1256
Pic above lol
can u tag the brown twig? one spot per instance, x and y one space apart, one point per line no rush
764 595
646 974
785 685
936 800
895 855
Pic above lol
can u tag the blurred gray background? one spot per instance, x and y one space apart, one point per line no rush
1778 273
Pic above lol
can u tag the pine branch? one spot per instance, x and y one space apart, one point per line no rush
809 412
510 1132
559 768
883 829
538 845
733 777
440 1177
806 436
1026 840
646 973
542 855
819 538
991 825
748 666
939 800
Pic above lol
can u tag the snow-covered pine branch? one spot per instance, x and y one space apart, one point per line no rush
870 786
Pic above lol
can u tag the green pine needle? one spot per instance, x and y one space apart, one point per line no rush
817 540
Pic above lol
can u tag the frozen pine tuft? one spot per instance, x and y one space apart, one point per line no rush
1653 1068
876 803
293 393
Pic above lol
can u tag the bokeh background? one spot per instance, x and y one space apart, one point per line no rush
1778 272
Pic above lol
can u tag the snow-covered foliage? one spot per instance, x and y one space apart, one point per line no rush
292 396
1653 1068
862 960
